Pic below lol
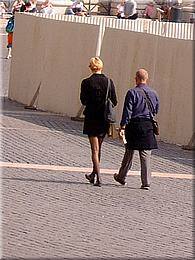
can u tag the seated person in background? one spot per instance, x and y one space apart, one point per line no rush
170 6
69 11
130 9
3 8
163 12
30 6
47 7
17 5
33 6
47 3
77 7
150 11
120 11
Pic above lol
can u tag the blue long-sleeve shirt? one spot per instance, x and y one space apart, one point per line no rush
135 104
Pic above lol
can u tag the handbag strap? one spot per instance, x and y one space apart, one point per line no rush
108 88
148 103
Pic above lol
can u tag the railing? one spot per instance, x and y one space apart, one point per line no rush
183 31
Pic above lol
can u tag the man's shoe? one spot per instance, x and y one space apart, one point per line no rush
122 182
90 178
146 187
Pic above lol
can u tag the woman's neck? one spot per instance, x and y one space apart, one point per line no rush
98 72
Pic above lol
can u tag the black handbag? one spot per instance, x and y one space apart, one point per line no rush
109 112
155 125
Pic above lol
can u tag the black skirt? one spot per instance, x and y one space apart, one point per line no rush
140 135
97 128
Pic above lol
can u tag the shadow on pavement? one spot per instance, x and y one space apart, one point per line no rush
51 121
66 182
57 122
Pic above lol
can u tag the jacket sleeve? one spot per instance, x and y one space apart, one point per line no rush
127 109
113 96
157 104
83 93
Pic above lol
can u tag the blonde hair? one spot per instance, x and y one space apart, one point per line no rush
96 64
142 74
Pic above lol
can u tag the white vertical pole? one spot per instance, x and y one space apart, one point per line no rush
100 37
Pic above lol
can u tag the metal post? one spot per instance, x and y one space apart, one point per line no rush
89 10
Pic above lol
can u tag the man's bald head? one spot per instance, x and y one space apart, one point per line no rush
141 76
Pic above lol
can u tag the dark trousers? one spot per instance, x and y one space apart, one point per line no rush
145 156
133 17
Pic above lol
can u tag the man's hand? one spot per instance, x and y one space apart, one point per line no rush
121 133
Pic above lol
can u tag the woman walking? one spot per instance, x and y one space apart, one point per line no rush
93 96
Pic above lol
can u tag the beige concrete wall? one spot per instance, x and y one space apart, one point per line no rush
55 53
169 63
26 65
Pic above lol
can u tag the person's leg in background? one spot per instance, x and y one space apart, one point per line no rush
9 44
145 160
125 167
133 17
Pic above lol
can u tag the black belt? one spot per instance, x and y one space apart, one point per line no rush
140 119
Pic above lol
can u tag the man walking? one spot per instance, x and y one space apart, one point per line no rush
141 104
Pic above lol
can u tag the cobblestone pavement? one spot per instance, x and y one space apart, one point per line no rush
49 211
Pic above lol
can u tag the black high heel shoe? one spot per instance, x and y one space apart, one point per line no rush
98 181
97 184
90 178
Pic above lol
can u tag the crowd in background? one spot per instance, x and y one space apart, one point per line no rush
28 6
31 6
161 10
126 9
